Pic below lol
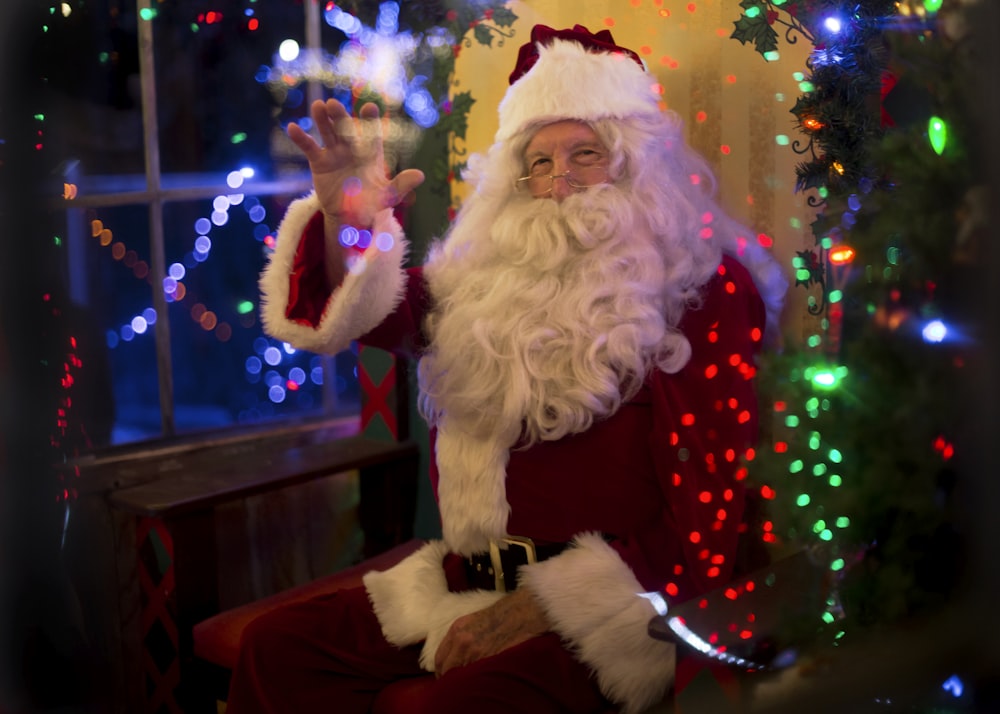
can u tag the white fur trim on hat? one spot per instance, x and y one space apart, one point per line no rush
570 82
371 290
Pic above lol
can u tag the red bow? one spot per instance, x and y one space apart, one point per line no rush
601 42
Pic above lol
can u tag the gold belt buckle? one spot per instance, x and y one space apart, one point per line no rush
517 541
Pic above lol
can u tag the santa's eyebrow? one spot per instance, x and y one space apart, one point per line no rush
530 156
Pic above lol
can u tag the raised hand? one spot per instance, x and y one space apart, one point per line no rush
348 167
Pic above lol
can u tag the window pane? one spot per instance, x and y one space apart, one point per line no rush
226 371
108 266
215 110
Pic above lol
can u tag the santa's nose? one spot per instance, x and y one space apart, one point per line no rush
561 187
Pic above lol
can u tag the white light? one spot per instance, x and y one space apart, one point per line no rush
935 331
288 50
832 24
234 179
220 218
248 172
658 602
221 203
66 9
176 271
139 324
289 350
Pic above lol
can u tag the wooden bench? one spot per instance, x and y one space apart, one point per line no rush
179 496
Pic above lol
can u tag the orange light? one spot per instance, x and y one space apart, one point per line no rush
841 255
812 124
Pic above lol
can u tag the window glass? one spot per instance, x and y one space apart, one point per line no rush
224 174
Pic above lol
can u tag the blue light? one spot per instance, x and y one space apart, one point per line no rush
953 685
202 226
297 375
150 315
253 364
272 355
935 331
257 214
388 18
276 394
202 244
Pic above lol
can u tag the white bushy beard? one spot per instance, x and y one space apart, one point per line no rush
547 316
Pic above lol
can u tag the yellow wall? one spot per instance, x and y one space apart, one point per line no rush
745 100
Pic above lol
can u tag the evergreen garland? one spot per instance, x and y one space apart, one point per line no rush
869 419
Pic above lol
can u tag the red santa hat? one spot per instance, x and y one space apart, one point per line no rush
574 74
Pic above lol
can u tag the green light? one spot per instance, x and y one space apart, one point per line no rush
836 296
795 223
839 635
753 11
779 3
40 117
814 440
802 274
826 535
819 526
835 456
843 522
838 564
937 132
772 56
812 404
826 243
103 57
194 27
806 87
802 500
835 480
147 13
798 76
244 307
796 466
239 137
823 191
828 618
930 6
892 255
825 380
814 341
57 240
819 469
791 421
781 140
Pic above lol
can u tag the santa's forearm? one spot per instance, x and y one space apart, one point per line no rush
311 299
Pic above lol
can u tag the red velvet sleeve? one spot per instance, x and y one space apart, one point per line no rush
704 422
308 286
309 292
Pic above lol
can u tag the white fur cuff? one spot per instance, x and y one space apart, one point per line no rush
371 290
413 603
592 598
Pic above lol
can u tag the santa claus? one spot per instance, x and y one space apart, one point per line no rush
586 335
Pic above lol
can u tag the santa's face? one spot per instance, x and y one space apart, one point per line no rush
562 158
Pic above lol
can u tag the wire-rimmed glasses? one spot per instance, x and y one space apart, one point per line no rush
579 178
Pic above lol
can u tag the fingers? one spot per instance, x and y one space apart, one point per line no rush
401 187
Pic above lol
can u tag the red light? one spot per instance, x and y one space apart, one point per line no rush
253 24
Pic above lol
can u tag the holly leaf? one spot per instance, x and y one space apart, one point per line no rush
756 30
483 34
503 17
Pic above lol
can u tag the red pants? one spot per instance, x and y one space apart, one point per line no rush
328 655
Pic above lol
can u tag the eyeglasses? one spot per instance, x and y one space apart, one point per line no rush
577 179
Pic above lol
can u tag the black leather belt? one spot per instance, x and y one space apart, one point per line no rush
497 569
